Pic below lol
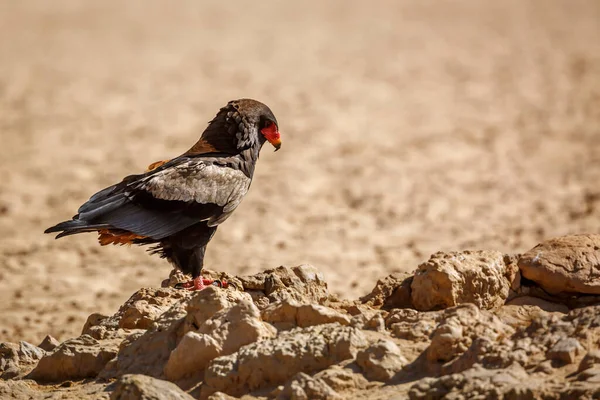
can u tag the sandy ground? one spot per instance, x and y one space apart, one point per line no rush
408 127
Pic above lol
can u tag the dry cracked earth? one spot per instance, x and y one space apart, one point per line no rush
408 128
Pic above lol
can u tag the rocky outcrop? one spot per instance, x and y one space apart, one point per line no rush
222 334
464 325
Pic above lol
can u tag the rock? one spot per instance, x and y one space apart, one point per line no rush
192 354
208 302
227 316
25 389
140 311
221 396
522 310
304 284
288 314
478 383
175 277
591 375
16 360
532 290
146 305
411 325
381 361
342 379
565 264
361 314
147 352
141 387
565 350
95 320
272 362
459 327
591 359
448 279
391 292
49 343
224 333
18 390
542 304
305 387
79 358
376 323
545 367
237 326
30 352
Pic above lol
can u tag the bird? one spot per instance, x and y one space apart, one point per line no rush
176 205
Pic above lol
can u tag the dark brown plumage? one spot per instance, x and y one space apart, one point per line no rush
177 204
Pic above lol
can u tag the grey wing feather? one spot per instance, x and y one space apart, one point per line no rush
201 182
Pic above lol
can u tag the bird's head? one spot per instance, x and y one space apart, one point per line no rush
240 125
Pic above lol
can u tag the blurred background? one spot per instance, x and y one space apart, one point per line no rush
408 127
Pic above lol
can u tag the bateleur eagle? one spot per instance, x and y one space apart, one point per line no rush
177 205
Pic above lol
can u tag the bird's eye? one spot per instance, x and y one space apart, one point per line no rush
268 124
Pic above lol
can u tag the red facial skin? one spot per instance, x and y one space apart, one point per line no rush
271 133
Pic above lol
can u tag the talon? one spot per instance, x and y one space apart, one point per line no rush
197 283
222 284
185 285
200 283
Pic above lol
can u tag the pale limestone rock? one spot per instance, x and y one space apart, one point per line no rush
288 314
459 327
393 291
146 352
142 387
79 358
304 284
147 305
221 396
565 350
237 326
49 343
381 361
192 354
591 359
412 325
224 333
305 387
478 382
206 303
342 379
16 360
140 311
483 278
521 311
565 264
272 362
